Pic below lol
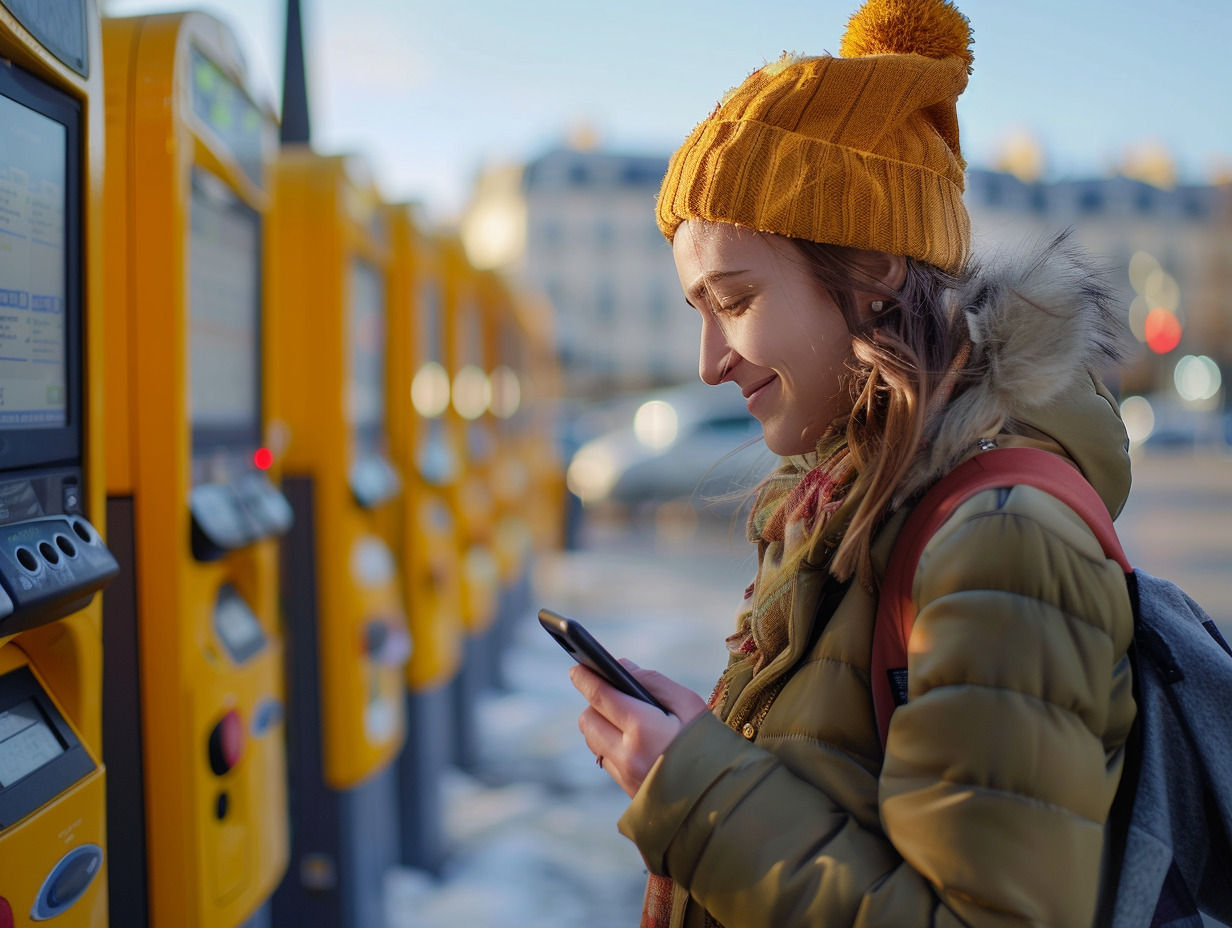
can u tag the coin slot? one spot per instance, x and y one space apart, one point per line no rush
49 552
63 543
26 558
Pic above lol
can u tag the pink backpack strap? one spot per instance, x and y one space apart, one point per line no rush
1001 467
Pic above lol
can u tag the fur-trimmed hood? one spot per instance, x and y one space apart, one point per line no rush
1042 322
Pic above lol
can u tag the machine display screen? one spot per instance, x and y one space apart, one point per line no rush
367 338
27 742
429 322
226 109
33 269
224 317
237 626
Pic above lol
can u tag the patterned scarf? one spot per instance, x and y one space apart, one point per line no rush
792 505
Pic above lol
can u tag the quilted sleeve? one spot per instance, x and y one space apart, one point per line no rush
1001 768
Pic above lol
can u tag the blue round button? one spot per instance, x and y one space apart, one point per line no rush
67 881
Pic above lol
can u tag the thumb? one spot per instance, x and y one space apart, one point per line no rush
681 701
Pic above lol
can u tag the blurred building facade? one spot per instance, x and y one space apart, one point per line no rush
1167 248
578 224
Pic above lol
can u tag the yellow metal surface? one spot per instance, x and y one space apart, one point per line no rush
426 530
327 215
508 475
205 869
66 656
470 496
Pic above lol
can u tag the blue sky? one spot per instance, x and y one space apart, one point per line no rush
429 91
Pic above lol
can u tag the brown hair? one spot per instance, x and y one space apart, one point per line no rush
900 359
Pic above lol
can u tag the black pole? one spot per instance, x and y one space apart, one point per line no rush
296 126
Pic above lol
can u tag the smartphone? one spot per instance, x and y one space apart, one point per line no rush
581 644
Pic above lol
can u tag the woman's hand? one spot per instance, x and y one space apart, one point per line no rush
626 734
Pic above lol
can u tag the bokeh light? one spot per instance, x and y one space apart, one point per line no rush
655 424
1162 330
430 390
1139 418
472 391
1197 378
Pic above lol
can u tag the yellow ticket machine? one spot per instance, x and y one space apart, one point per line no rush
427 540
506 354
469 433
539 424
53 848
194 686
346 625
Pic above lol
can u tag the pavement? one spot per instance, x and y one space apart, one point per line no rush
532 829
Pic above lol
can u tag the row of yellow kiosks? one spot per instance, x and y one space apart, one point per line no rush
330 253
53 860
193 697
300 470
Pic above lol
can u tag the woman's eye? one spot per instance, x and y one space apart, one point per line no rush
733 307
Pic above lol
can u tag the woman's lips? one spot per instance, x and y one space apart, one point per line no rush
756 391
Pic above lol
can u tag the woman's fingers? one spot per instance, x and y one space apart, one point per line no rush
630 734
681 701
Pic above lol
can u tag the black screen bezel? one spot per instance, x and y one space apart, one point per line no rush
44 446
244 439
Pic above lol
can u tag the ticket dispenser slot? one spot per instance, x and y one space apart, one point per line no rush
53 852
194 740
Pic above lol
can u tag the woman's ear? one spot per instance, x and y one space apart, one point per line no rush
891 270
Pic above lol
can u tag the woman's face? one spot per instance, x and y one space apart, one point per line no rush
769 326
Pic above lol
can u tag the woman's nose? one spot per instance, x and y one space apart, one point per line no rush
717 358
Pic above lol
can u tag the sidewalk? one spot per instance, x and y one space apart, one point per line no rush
533 832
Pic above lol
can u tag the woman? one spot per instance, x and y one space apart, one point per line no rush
817 225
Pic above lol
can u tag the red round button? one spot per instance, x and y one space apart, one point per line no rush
226 743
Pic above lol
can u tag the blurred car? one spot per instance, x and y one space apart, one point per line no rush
693 442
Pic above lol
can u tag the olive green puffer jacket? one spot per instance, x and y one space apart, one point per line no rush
989 805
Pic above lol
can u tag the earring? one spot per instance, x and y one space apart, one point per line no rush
876 306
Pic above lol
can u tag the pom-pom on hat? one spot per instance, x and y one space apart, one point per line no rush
860 150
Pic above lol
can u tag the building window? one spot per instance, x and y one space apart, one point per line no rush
656 304
992 192
605 234
556 294
605 301
1090 200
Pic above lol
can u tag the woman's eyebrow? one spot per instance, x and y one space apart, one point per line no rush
707 280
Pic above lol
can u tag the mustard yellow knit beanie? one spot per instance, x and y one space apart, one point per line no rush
860 150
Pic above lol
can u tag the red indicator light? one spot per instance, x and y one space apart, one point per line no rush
6 914
263 458
1163 331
